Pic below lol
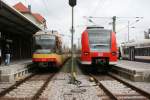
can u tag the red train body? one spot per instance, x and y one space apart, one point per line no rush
98 46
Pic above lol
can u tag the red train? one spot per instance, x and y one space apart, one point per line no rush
98 46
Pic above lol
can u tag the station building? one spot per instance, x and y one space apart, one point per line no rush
36 18
17 26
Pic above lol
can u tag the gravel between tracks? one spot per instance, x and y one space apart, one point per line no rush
59 89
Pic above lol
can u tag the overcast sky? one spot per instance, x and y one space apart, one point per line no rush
58 15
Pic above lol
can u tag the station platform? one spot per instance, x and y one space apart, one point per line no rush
135 71
15 71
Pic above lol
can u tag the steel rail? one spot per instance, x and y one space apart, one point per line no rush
142 92
43 87
3 93
109 93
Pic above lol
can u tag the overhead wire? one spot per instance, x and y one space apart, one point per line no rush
126 26
94 9
99 5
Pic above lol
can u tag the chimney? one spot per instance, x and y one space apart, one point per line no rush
29 7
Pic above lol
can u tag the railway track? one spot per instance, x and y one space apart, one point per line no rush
28 89
114 88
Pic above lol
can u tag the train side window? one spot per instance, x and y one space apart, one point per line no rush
136 51
139 52
142 51
145 52
148 51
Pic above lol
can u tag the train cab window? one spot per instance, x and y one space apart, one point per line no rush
99 39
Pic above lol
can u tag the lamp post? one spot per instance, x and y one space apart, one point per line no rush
72 3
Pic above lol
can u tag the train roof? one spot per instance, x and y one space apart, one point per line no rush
95 27
141 43
42 32
55 33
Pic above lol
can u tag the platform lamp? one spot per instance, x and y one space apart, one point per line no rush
72 3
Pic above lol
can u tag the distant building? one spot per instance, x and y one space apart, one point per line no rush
36 18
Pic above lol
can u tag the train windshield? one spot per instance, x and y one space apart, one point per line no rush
99 40
45 42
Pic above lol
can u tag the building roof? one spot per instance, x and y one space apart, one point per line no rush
38 17
21 7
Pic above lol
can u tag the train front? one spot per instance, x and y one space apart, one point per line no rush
98 46
44 50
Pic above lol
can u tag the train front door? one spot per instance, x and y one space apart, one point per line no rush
132 53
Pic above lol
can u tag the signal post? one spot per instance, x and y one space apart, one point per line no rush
72 3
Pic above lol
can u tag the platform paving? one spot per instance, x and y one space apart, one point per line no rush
135 71
15 71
